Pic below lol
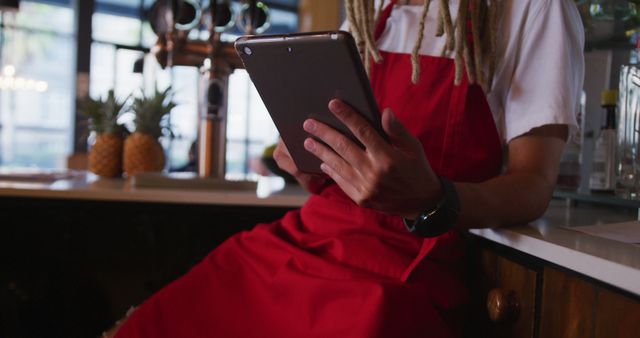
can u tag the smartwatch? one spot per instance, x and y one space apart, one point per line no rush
440 219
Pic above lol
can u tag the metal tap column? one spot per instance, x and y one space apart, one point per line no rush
214 88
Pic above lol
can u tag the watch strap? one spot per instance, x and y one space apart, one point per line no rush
440 219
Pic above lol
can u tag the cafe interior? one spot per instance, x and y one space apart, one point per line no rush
93 224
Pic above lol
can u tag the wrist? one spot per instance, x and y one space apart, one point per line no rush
435 221
430 200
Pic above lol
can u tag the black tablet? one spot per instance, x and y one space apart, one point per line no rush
297 75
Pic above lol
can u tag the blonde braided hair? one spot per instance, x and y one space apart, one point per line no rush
483 14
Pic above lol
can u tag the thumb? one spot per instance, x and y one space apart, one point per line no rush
398 134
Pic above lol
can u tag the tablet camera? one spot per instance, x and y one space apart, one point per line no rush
248 51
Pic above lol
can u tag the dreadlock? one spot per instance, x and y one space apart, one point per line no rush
483 14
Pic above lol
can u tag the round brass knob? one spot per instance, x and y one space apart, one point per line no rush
502 305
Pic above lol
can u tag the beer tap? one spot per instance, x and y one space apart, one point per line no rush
172 20
214 89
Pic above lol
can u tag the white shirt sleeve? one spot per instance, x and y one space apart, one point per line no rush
542 76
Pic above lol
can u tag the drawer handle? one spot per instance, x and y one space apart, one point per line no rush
503 305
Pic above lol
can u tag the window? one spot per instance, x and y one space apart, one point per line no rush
122 36
249 127
37 85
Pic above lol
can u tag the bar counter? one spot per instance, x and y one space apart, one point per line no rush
271 192
608 261
551 239
611 262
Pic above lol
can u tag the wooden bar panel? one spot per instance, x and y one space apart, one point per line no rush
519 283
483 265
568 306
617 316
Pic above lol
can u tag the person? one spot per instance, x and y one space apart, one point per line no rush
480 97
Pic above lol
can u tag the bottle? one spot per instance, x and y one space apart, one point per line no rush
628 167
603 173
569 171
635 53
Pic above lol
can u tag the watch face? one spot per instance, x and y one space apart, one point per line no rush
436 223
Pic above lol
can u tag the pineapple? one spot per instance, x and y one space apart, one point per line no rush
142 151
105 157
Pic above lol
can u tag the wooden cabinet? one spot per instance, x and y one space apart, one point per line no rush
567 306
71 268
516 295
507 299
616 315
574 306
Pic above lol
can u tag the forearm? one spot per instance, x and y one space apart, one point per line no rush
523 192
508 199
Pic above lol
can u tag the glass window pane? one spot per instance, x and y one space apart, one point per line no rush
157 77
149 38
128 8
43 17
287 3
116 29
36 98
184 117
282 22
154 75
180 158
238 104
236 159
123 3
103 60
261 127
127 82
248 119
112 68
40 149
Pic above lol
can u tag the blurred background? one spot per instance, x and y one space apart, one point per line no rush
42 55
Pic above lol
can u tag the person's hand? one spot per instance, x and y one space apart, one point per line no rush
394 178
312 183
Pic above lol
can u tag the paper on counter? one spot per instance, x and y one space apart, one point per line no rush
36 175
628 232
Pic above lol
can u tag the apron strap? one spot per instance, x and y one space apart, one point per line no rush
382 21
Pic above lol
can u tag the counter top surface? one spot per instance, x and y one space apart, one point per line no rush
270 192
606 260
551 238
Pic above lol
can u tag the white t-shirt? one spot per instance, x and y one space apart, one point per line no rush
539 78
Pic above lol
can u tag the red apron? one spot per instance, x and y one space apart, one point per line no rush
333 269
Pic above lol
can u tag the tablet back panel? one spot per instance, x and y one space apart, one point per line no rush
297 75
